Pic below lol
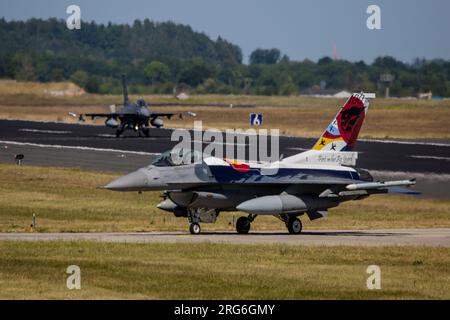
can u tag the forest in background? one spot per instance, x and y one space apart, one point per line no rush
157 57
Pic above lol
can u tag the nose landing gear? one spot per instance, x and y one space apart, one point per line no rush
194 228
195 216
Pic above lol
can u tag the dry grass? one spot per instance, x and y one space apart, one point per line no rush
300 116
216 271
69 200
13 88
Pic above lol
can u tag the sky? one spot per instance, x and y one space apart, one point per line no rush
299 28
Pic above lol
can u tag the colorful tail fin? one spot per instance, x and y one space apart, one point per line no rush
343 131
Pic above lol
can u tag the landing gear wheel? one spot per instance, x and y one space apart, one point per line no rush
146 132
118 133
294 226
194 228
243 225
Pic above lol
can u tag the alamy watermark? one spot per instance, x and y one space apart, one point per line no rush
234 144
374 280
73 22
374 20
73 281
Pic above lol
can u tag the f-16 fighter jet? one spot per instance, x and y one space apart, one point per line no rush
308 183
134 116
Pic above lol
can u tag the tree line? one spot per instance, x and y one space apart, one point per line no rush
159 56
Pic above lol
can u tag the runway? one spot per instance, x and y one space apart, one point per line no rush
96 148
370 238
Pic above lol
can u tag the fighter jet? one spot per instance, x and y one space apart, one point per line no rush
134 116
308 183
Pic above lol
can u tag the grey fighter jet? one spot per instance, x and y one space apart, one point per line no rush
307 183
134 116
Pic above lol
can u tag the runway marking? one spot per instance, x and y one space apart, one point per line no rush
436 177
431 157
56 146
222 143
435 144
45 131
106 135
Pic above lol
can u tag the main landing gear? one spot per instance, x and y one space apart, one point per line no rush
294 226
146 131
140 130
243 224
119 131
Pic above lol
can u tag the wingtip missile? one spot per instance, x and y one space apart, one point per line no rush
378 185
181 115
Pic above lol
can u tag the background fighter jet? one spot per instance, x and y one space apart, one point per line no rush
307 183
133 116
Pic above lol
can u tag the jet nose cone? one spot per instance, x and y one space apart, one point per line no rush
134 181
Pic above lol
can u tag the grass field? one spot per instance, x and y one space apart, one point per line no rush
213 271
301 116
69 200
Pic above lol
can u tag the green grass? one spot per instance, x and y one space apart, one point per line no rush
36 270
69 200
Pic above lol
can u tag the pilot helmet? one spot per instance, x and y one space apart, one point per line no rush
141 103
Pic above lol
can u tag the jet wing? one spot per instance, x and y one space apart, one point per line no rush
99 115
169 115
161 114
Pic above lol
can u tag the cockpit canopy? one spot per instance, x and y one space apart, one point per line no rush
177 157
141 103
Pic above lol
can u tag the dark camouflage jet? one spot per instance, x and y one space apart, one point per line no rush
133 116
307 183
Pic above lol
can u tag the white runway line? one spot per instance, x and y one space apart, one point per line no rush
221 143
299 149
431 157
105 135
45 131
435 144
407 175
55 146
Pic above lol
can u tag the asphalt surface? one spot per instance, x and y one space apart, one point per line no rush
385 237
406 156
96 148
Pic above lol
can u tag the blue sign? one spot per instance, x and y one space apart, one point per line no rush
256 119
